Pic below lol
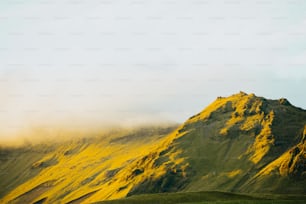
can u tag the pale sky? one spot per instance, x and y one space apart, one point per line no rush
132 61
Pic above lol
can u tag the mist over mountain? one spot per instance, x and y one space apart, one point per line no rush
242 144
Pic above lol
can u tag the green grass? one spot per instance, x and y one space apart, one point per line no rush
208 197
251 202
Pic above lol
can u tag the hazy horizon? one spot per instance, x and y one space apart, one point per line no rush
99 63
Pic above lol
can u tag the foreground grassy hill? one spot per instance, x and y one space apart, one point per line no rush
242 143
208 197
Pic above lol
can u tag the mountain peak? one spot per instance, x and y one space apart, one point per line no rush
241 93
242 104
248 114
236 95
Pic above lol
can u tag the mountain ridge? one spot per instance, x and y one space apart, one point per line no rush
241 143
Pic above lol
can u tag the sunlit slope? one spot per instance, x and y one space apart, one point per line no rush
74 170
16 165
291 166
242 143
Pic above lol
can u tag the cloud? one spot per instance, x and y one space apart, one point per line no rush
94 63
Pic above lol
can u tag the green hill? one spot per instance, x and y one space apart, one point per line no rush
242 144
208 197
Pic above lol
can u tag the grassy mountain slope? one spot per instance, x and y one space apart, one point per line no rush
242 143
73 170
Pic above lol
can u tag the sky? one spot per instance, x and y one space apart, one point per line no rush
78 63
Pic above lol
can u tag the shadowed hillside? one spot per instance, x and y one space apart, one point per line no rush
242 143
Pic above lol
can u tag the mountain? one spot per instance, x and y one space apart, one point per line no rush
242 143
